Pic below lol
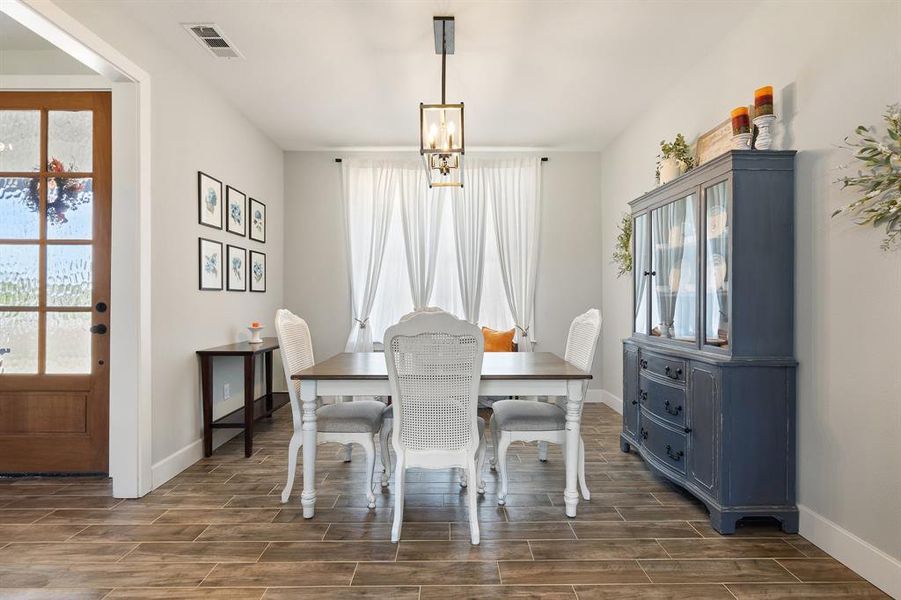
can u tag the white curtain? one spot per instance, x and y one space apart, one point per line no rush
516 207
368 188
668 224
421 212
469 206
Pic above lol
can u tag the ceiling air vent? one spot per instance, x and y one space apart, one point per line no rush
210 37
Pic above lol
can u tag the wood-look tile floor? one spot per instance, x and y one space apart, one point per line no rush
219 531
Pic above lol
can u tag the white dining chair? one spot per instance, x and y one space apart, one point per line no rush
434 363
532 421
353 422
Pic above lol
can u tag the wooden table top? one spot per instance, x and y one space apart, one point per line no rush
495 366
242 348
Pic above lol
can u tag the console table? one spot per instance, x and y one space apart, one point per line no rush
254 408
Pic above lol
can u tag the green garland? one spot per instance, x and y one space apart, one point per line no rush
880 182
622 253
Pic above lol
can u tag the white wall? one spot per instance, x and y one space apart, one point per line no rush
833 65
40 62
193 128
569 278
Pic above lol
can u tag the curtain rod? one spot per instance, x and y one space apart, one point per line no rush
543 159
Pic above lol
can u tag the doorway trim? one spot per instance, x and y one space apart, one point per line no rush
130 442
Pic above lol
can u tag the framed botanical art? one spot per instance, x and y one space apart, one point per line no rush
209 201
236 216
257 221
209 264
257 271
237 268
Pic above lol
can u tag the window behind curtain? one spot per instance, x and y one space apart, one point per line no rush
393 298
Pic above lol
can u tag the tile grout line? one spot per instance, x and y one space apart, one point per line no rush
776 560
728 589
640 566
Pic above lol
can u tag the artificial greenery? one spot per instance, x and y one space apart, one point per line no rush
622 253
880 181
678 149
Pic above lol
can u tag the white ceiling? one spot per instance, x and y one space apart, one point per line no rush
548 74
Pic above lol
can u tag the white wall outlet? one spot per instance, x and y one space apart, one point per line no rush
226 391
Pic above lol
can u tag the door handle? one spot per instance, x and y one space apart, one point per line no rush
99 329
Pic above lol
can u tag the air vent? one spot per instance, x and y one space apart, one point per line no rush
211 37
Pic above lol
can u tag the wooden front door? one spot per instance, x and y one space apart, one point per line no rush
54 281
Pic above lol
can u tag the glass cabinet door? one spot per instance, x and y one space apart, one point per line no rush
674 277
716 317
641 270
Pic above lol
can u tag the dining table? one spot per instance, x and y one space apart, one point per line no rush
530 374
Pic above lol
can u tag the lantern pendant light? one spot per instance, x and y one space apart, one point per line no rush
441 125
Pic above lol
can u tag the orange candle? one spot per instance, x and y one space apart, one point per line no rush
255 324
741 122
763 100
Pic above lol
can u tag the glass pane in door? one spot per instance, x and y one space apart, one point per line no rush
19 207
674 280
68 342
18 342
20 140
70 208
641 272
69 275
19 274
716 217
70 137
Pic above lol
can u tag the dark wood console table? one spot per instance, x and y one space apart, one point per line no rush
254 408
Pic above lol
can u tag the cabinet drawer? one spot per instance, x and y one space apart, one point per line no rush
672 368
664 401
664 443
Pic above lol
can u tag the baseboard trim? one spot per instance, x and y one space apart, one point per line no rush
860 556
180 460
614 402
593 395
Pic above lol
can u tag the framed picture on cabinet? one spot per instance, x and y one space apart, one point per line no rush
236 261
236 215
209 264
257 221
257 271
209 201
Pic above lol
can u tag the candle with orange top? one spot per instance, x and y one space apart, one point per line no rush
255 328
763 101
741 128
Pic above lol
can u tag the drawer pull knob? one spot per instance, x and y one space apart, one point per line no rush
673 411
688 430
642 395
676 456
644 433
643 363
634 402
673 374
652 273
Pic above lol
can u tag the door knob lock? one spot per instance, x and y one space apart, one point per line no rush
99 329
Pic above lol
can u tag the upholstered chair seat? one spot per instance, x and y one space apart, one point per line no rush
362 416
528 415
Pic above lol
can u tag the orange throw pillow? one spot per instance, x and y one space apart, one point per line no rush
498 341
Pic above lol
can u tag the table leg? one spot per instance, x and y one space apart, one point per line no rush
308 402
248 404
267 363
573 435
206 393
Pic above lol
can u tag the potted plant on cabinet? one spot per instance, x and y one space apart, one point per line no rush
674 159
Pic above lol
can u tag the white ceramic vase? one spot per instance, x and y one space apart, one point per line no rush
765 125
670 168
255 337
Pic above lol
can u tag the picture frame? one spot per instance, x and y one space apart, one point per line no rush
236 261
236 213
715 142
257 273
209 201
209 264
257 220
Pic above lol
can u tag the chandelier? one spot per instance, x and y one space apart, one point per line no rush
441 125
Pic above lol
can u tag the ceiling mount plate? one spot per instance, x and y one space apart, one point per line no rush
444 26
